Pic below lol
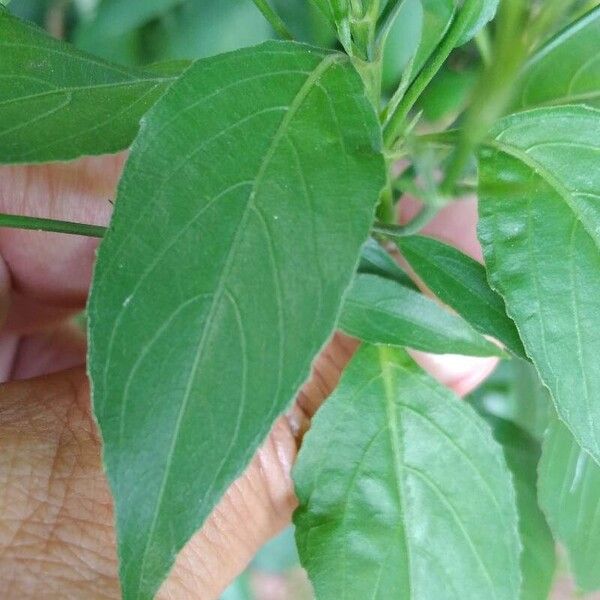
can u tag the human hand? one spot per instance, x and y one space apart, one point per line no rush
56 520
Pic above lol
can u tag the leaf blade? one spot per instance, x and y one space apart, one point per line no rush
460 282
248 328
57 103
382 311
539 220
566 70
399 489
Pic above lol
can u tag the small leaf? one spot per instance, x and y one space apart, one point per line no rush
403 492
238 225
460 282
374 259
567 69
538 558
540 231
57 103
569 491
382 311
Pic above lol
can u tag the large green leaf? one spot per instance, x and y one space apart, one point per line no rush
540 230
383 311
461 282
567 69
569 490
238 225
57 103
403 492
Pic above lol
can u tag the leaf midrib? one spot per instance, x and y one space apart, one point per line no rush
296 103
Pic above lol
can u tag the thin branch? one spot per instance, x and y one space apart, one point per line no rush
274 19
38 224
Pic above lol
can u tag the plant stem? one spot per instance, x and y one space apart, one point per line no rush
39 224
395 125
419 221
274 19
494 92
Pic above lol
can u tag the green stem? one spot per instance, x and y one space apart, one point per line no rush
417 223
395 125
274 19
484 45
38 224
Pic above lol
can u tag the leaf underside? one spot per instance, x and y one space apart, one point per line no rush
403 492
239 221
540 231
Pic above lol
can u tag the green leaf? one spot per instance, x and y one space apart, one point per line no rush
383 311
238 224
460 282
538 558
57 103
540 231
566 70
403 492
374 259
569 491
437 18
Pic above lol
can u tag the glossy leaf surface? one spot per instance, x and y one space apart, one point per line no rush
540 231
403 492
569 489
567 69
460 282
57 103
382 311
238 225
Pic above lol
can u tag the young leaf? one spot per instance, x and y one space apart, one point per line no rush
538 558
57 103
540 231
239 221
382 311
460 282
567 69
374 259
569 491
403 492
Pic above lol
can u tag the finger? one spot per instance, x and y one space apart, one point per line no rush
58 349
55 269
455 223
